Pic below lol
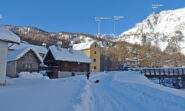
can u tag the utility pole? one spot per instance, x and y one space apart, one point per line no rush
1 16
156 6
98 20
117 18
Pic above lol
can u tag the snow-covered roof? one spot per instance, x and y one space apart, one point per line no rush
64 54
39 49
17 54
7 35
83 46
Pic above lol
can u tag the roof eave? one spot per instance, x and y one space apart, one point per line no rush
71 61
10 41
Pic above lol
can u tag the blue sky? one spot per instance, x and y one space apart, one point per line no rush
78 15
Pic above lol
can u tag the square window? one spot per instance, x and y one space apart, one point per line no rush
94 67
94 60
94 52
29 66
24 66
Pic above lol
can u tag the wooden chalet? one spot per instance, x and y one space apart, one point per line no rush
23 60
63 62
42 50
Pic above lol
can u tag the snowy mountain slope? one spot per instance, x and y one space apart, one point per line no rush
116 91
24 29
158 29
37 36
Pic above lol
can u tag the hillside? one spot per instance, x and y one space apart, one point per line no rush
37 36
116 91
158 29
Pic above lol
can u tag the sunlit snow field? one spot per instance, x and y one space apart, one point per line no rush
116 91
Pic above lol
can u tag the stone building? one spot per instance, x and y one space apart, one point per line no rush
92 50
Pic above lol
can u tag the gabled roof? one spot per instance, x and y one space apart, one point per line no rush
83 46
63 54
40 49
17 54
7 35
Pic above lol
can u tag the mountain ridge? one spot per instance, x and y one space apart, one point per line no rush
158 29
37 36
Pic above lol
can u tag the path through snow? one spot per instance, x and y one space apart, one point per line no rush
112 94
116 91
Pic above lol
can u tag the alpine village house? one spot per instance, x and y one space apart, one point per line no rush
63 62
23 60
92 50
42 50
6 37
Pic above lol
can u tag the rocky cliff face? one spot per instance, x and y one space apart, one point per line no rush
158 30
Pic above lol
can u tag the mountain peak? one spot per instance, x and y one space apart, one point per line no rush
158 29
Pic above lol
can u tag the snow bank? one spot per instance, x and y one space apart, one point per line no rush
116 91
137 78
41 94
28 75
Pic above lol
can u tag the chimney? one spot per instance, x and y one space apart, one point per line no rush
59 45
44 45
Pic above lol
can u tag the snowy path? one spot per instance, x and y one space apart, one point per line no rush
113 95
116 91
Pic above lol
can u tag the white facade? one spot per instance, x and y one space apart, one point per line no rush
5 37
3 61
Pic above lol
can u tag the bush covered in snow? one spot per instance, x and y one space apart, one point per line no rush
28 75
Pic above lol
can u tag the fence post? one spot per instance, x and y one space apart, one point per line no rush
168 71
159 71
182 71
154 72
173 72
177 71
164 72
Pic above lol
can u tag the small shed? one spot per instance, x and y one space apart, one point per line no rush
6 37
23 60
63 62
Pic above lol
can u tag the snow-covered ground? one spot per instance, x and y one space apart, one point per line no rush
116 91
